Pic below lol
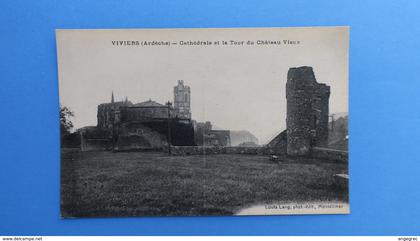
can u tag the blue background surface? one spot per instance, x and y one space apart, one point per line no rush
384 107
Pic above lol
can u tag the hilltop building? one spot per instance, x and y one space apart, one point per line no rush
123 125
206 136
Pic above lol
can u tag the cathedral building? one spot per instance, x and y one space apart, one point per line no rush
124 125
115 112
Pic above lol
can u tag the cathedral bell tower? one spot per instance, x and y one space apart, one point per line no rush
182 100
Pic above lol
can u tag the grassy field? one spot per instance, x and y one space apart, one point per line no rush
148 184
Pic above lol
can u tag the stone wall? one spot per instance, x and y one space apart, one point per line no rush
70 140
317 152
96 145
182 133
143 113
330 154
279 143
196 150
95 139
247 150
214 150
136 136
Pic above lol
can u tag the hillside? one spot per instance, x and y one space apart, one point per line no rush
243 136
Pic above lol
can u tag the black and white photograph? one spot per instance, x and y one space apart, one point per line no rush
203 122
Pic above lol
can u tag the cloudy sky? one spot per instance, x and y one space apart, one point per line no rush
236 87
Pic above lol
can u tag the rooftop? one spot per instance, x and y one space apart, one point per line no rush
148 103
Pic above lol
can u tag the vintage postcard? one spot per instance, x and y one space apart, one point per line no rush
192 122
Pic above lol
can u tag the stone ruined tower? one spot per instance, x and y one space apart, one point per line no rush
320 106
182 100
307 111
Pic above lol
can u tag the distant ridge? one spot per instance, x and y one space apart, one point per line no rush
242 136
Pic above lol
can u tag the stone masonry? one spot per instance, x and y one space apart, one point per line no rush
307 111
182 100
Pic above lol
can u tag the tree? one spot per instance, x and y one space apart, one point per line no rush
65 123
